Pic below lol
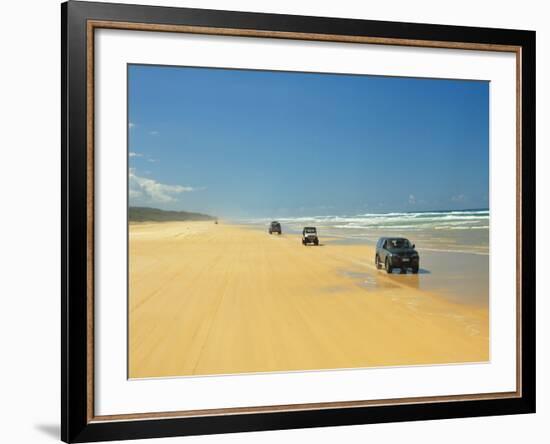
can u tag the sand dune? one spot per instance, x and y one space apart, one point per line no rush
218 299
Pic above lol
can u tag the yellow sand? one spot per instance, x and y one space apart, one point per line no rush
218 299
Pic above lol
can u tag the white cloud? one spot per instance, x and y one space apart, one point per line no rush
152 191
135 154
459 198
153 133
135 194
412 199
131 125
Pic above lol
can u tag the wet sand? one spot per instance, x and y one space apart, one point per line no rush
219 299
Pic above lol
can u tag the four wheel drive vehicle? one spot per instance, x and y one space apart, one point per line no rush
275 227
309 236
396 252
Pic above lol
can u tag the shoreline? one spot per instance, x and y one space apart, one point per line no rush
438 267
225 299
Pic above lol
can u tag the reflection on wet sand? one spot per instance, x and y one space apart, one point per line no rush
379 280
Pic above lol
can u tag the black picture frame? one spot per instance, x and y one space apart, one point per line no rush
76 326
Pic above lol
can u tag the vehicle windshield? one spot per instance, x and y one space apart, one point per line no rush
310 230
274 223
398 243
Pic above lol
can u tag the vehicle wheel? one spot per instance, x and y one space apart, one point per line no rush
377 262
415 270
316 243
389 268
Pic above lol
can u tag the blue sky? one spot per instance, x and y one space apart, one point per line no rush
237 143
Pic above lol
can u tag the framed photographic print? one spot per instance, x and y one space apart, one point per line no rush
275 221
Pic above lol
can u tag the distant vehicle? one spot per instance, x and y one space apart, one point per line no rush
396 252
275 227
309 236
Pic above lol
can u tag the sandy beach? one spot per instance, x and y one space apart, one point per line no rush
220 299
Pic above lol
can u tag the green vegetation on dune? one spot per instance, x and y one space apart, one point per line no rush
146 214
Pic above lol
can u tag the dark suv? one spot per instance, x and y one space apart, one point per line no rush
275 227
309 236
396 252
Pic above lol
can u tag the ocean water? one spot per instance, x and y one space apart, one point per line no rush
464 231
